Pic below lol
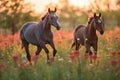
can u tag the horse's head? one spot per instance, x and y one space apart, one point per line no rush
98 23
53 18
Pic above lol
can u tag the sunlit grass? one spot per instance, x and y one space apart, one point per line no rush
14 64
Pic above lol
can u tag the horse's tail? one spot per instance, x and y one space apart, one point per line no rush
22 45
73 44
22 37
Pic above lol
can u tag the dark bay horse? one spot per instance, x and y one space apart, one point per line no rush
86 35
40 34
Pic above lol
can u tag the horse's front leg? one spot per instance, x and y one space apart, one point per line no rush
54 49
42 45
27 51
95 46
88 53
88 50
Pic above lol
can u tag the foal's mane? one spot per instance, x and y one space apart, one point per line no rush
47 14
90 19
44 16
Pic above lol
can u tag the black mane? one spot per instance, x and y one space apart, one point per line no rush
44 16
90 19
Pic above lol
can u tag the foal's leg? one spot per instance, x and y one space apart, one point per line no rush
35 57
42 45
38 50
26 45
77 45
53 47
95 48
88 50
95 51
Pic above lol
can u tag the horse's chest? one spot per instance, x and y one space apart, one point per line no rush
91 41
47 38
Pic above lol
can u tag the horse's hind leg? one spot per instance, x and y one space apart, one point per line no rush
77 46
38 50
26 45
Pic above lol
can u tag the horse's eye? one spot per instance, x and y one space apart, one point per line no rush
96 22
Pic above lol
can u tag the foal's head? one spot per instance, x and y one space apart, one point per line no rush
98 23
52 18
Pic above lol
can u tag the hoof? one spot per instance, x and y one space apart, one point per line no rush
95 56
51 59
87 55
48 61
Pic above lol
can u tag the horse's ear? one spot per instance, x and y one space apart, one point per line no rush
99 14
49 10
55 9
94 14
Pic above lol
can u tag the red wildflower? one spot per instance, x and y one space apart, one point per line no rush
75 55
2 66
118 52
87 55
118 67
114 62
95 56
15 58
51 58
91 57
72 56
35 57
24 64
105 46
114 53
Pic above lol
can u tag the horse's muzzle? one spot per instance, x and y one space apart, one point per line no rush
101 32
58 27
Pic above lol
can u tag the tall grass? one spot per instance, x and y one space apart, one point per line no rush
14 65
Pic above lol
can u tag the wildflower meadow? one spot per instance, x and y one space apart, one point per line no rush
68 63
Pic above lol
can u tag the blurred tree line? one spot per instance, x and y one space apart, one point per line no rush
14 13
71 16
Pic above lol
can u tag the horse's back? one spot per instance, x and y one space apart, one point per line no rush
24 28
28 32
79 29
79 33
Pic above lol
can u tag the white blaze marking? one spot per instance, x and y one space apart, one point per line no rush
86 39
54 15
99 21
78 39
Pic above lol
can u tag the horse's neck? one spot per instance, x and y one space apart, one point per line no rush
46 26
91 31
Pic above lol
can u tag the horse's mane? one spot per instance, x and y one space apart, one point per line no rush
44 16
90 19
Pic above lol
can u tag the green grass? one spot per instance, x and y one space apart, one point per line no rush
62 68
